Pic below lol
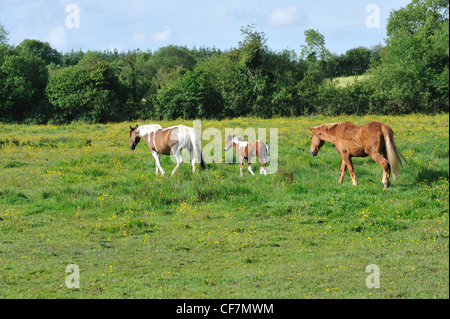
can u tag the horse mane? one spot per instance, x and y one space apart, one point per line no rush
132 129
232 137
330 126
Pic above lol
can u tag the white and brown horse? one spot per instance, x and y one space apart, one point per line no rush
168 141
247 150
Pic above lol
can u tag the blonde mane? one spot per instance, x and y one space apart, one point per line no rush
330 126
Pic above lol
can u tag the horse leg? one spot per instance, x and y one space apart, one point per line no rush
179 160
250 167
241 164
157 163
262 170
342 171
386 168
191 152
351 170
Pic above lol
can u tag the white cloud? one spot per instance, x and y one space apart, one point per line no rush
283 17
162 36
58 38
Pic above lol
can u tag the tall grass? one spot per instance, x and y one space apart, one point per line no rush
76 194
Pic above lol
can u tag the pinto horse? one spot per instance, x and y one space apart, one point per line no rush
246 150
374 139
168 141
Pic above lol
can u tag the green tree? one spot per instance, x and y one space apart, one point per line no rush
173 56
224 76
88 92
314 48
42 50
189 95
135 81
286 71
71 58
163 62
23 78
252 48
417 56
254 90
357 61
3 34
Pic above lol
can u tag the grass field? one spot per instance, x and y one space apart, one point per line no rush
345 81
76 194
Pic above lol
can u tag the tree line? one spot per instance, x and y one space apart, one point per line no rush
38 84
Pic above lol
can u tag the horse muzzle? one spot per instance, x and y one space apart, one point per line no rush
132 147
314 153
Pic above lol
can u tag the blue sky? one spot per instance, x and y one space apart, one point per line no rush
149 24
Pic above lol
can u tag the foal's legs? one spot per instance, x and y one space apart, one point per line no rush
157 163
380 159
262 170
250 167
241 164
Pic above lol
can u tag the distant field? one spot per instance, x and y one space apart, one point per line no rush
349 80
76 194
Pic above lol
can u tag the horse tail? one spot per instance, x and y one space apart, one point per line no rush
393 154
264 151
195 144
267 152
202 163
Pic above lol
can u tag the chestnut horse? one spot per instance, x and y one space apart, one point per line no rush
374 139
168 141
247 150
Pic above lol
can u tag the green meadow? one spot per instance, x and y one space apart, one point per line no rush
76 194
345 81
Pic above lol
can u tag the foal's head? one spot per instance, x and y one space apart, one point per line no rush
316 141
229 142
134 137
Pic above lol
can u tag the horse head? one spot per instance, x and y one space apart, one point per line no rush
316 141
134 137
229 142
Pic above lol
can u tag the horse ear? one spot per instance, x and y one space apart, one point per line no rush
311 129
131 128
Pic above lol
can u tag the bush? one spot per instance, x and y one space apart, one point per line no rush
23 78
189 96
87 92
